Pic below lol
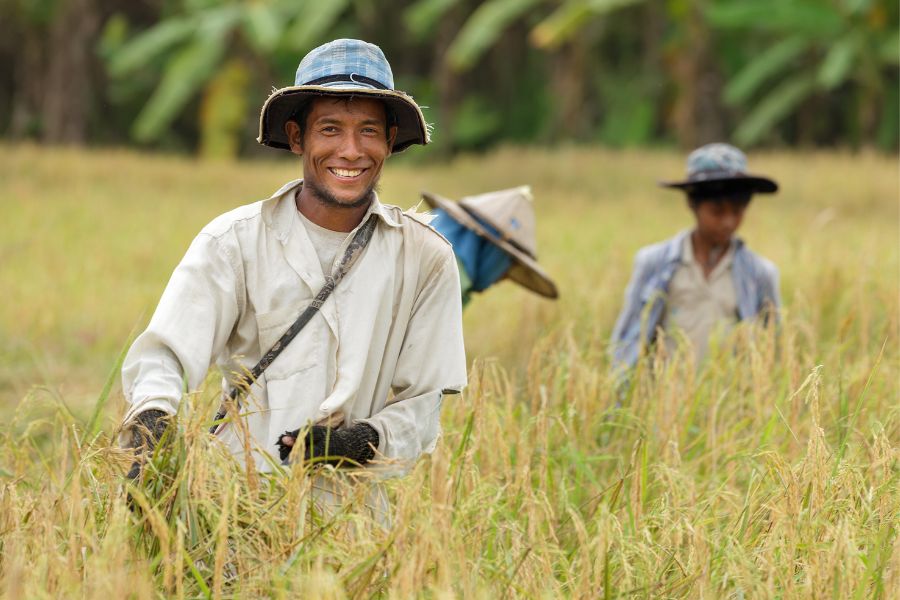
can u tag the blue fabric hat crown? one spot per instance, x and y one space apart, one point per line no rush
343 67
346 64
720 169
715 160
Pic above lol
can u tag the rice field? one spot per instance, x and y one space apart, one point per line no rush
770 471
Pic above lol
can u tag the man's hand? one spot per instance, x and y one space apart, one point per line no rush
146 431
355 444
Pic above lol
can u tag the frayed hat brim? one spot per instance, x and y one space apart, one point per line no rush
281 105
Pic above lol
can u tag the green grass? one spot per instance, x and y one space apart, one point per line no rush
772 471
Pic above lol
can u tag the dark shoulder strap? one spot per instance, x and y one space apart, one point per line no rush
339 270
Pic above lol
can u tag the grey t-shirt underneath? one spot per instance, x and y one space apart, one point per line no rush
325 241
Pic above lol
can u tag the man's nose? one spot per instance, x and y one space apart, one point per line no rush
351 148
730 222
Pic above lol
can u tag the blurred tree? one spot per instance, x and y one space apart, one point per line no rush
223 111
483 29
800 52
69 76
697 116
53 68
556 28
181 73
209 48
24 26
435 23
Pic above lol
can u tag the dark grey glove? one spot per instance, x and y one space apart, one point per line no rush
147 429
348 445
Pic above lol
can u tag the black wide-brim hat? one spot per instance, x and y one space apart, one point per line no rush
343 68
716 169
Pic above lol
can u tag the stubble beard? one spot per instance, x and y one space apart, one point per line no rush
327 199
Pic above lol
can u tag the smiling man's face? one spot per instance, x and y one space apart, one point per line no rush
344 146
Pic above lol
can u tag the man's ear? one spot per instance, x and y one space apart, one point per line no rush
295 139
392 137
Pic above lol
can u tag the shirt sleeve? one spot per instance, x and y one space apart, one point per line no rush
624 344
188 330
769 292
432 363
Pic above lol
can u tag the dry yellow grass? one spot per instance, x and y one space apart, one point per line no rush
773 471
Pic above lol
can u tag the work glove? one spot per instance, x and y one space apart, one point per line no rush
147 430
349 445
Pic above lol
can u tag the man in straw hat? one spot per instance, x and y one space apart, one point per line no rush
378 341
704 278
493 237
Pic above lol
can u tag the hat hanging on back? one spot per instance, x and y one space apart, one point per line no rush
720 169
511 214
343 68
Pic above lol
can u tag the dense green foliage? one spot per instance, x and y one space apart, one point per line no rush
772 471
191 74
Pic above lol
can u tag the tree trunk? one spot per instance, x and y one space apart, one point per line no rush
698 116
68 76
448 82
27 91
569 86
653 30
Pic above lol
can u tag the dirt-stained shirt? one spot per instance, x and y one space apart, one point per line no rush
384 349
755 281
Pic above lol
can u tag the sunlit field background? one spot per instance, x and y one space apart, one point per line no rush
771 471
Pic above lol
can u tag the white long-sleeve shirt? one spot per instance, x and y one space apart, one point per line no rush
384 348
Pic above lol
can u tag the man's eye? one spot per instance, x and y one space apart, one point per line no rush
329 129
370 130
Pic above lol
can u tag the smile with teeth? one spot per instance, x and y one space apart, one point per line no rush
345 173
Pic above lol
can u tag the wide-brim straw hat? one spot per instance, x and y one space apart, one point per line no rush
343 68
720 169
511 214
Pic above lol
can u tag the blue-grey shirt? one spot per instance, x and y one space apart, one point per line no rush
755 284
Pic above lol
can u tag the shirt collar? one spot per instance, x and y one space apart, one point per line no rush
687 250
729 253
279 210
675 246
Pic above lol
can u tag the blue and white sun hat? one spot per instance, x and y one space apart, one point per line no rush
343 68
720 169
